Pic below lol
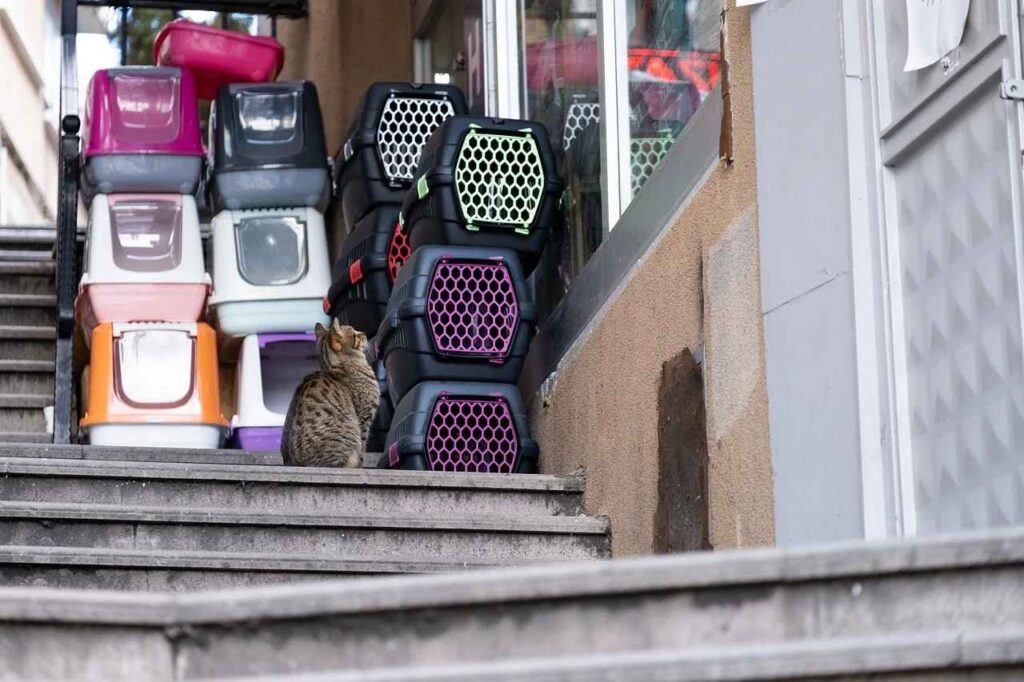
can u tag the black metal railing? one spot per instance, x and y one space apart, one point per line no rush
68 169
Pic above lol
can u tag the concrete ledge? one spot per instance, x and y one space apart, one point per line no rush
623 577
218 470
853 658
89 452
56 511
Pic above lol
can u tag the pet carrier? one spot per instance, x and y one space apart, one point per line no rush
143 261
385 410
376 163
217 56
365 270
457 313
270 270
461 426
270 368
154 384
267 147
485 182
141 132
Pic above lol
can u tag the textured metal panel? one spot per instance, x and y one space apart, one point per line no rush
962 317
908 90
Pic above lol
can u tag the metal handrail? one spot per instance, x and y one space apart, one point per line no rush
68 169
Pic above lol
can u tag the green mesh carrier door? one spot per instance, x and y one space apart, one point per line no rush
645 153
499 180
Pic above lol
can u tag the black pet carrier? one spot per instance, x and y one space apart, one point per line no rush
457 313
267 147
461 426
385 410
485 182
365 270
375 164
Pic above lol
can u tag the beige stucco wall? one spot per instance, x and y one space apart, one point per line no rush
698 288
343 46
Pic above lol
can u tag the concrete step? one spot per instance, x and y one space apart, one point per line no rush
28 438
162 570
288 489
682 604
28 349
508 539
23 414
9 255
940 656
27 309
24 377
39 238
35 281
30 451
27 332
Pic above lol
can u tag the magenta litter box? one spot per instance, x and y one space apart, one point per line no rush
141 132
270 368
217 56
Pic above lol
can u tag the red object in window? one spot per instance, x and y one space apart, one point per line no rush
355 271
398 252
703 69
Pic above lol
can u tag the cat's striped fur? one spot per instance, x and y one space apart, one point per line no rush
330 414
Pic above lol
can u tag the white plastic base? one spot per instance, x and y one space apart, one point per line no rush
157 435
242 318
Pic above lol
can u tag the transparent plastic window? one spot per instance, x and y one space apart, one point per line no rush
146 235
155 368
268 118
271 250
148 110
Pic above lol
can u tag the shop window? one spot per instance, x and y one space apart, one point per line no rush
560 89
673 63
670 51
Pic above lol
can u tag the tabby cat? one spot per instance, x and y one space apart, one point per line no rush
330 414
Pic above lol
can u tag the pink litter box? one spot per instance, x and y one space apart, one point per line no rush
143 261
217 57
141 132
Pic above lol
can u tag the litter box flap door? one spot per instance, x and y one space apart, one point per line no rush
284 363
269 123
271 249
146 106
155 368
146 233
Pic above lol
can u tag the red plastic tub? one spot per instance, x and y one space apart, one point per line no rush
216 56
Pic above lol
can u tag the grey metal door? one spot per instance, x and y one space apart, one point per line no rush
952 188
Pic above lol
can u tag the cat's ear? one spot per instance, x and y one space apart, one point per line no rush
320 331
338 328
359 343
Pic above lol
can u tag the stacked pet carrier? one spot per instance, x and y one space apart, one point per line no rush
267 183
153 376
458 319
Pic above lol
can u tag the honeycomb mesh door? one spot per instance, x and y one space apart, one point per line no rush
472 434
405 125
645 155
398 252
578 117
472 309
499 179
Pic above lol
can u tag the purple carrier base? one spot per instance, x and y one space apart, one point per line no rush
258 438
274 337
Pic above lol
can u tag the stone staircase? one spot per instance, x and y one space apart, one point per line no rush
944 609
27 332
155 525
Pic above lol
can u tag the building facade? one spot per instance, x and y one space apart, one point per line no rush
785 304
30 62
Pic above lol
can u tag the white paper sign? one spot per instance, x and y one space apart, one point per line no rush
934 29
